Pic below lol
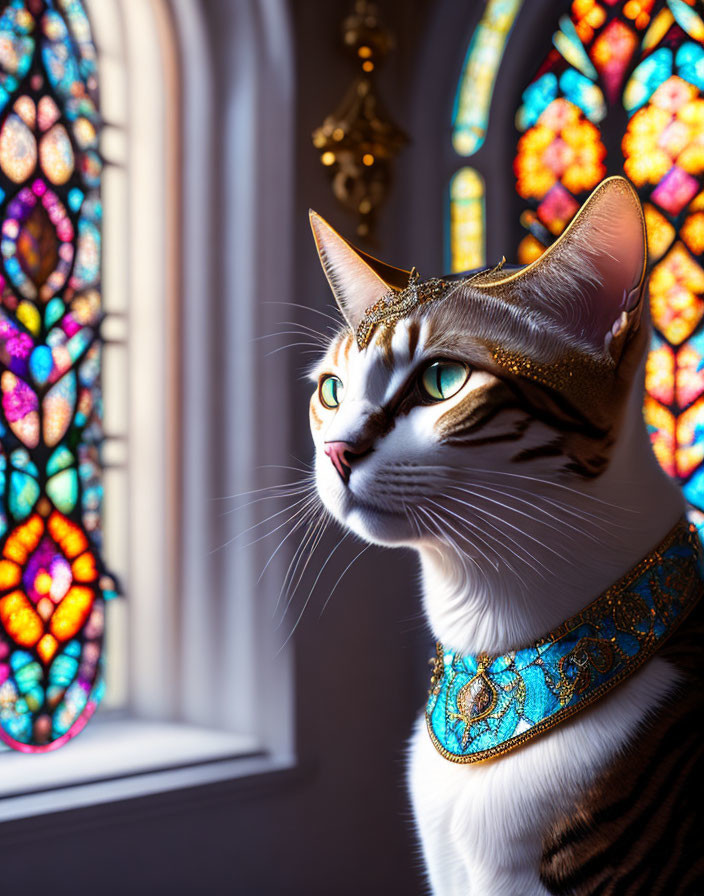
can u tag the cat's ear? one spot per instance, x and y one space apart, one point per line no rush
356 279
591 279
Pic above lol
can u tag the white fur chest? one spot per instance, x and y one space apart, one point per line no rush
482 825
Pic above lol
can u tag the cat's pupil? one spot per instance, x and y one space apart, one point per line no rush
443 379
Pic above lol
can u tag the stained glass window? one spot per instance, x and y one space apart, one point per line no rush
630 76
476 87
466 220
470 117
53 585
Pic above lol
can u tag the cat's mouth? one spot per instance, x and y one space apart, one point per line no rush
355 503
374 523
355 508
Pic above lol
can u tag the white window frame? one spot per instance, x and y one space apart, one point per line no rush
203 656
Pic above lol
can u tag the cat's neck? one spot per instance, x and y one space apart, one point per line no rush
550 562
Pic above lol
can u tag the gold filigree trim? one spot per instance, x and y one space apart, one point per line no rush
397 304
610 599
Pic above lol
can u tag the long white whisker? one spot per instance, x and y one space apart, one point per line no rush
440 526
531 516
339 323
581 514
324 335
293 588
311 510
560 485
503 473
314 337
427 511
266 488
300 510
342 574
503 546
279 496
307 470
271 516
261 523
312 589
481 534
504 522
315 350
314 520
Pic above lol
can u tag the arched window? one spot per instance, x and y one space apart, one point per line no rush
619 91
188 210
53 583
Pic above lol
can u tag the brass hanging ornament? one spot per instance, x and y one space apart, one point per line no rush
358 141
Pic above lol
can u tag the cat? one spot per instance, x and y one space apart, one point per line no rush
494 423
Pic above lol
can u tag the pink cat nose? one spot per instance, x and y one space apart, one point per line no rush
342 454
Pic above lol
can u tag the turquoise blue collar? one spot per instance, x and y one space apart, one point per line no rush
481 707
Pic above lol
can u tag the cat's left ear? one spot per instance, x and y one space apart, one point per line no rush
591 280
356 279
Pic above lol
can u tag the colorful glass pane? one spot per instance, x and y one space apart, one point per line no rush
611 52
466 220
52 582
660 372
661 233
690 439
644 57
473 99
690 371
562 147
661 426
676 290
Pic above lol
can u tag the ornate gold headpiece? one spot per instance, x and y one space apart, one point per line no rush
396 304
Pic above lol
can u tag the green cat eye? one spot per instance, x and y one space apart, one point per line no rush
331 390
443 379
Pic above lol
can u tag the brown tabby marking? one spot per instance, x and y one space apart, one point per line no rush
474 411
639 829
413 337
336 351
584 444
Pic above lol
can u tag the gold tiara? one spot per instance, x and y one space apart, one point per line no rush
396 304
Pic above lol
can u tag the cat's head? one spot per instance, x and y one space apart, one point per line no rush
434 385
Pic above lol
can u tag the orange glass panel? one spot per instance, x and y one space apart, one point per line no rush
676 286
692 232
660 232
660 373
661 426
690 439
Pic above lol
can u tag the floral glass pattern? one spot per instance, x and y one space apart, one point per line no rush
52 582
630 76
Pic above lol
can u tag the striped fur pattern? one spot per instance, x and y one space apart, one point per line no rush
638 829
525 494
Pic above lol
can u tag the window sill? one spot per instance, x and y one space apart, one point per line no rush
117 759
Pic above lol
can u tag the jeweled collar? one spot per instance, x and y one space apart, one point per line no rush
481 707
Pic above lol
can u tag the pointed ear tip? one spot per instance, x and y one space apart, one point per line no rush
319 225
621 186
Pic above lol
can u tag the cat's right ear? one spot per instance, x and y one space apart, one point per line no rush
356 279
